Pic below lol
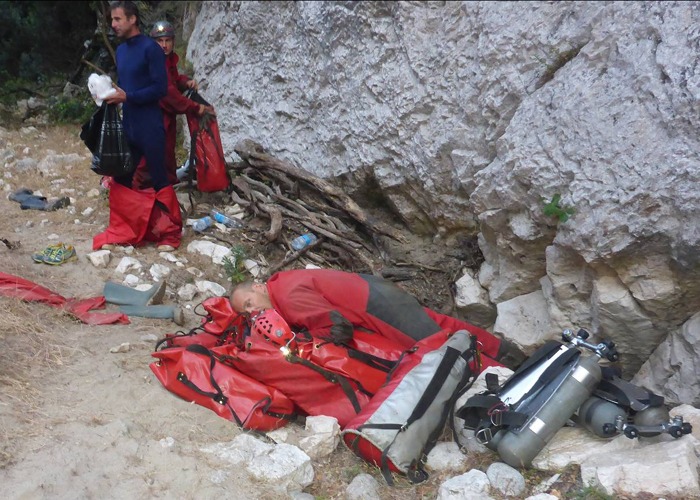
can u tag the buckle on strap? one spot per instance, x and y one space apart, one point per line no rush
495 413
484 435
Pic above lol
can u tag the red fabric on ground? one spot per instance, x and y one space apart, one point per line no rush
20 288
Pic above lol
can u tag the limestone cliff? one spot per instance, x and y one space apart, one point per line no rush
469 114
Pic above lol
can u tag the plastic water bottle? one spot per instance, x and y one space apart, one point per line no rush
225 220
303 241
202 224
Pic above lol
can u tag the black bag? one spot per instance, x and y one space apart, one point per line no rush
90 132
104 136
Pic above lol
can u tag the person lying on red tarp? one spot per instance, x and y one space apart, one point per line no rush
338 305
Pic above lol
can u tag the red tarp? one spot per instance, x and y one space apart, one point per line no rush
14 286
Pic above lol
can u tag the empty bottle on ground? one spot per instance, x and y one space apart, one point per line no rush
303 241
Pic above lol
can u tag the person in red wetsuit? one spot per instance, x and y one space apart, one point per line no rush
333 303
173 104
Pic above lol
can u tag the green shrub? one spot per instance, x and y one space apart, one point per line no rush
71 109
233 265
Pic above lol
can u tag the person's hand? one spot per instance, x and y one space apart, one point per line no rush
206 109
117 98
192 84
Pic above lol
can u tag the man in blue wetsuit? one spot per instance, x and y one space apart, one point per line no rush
143 81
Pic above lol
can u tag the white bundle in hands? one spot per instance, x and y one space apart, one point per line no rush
100 87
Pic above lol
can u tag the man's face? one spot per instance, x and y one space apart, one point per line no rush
253 299
166 43
124 27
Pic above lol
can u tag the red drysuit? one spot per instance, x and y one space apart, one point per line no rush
173 104
305 297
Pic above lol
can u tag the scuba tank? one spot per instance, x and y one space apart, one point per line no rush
518 418
618 407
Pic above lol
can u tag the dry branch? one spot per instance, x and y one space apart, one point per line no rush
254 154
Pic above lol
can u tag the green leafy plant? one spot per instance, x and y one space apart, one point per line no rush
233 264
552 208
71 110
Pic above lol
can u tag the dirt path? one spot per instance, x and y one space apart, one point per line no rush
76 420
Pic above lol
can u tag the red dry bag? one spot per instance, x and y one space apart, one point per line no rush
198 374
206 152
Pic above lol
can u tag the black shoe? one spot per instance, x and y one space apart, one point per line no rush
510 355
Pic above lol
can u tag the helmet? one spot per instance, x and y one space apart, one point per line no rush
162 29
273 327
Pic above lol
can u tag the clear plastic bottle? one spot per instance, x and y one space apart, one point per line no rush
202 224
303 241
225 220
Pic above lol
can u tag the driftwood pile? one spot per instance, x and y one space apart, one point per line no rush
296 202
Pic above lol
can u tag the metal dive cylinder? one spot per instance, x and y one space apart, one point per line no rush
518 447
599 416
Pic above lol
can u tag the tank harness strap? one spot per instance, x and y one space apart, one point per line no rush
628 395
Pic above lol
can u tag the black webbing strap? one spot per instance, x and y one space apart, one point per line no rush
264 405
217 396
168 339
382 364
332 377
487 414
628 395
426 400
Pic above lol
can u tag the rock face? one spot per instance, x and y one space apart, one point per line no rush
467 115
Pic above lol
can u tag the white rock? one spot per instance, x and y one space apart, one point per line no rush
195 272
252 267
242 449
209 249
542 496
131 280
363 487
93 193
88 211
187 292
279 435
52 236
525 321
573 445
285 469
473 485
128 249
472 300
445 456
668 468
506 479
159 271
168 256
323 436
124 347
128 264
673 369
76 221
167 442
311 266
210 288
100 258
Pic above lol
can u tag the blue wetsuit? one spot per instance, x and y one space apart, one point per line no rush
142 75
